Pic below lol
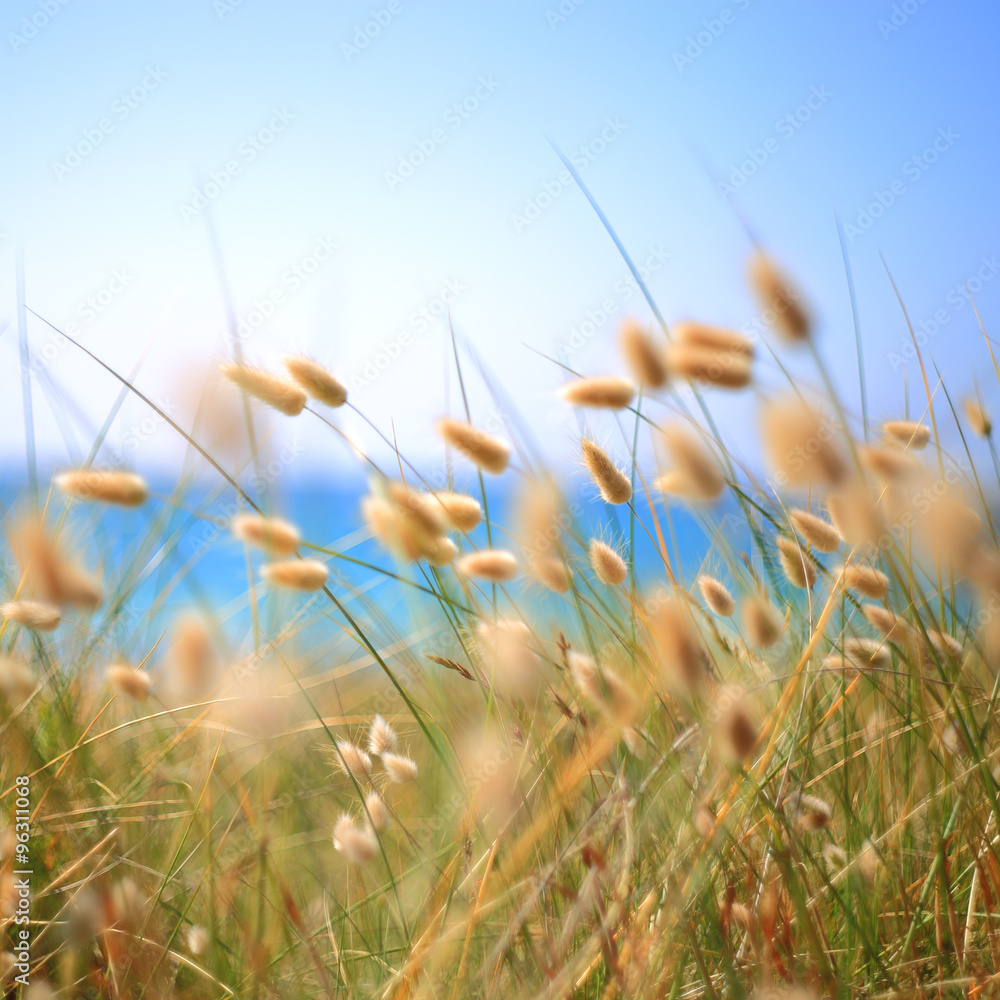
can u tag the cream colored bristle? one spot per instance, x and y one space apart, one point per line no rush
907 433
866 580
381 737
496 565
644 360
716 595
461 511
270 533
486 451
600 391
890 464
35 615
979 420
801 445
762 622
723 369
316 380
611 482
695 463
399 768
820 534
780 304
712 338
278 393
135 684
795 563
607 564
603 688
296 574
378 812
358 845
123 488
552 572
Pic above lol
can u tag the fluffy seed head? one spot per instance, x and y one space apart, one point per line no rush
50 573
270 533
738 730
603 688
891 465
278 393
553 573
723 369
678 647
191 656
884 621
644 361
694 461
197 939
378 812
834 856
605 392
945 646
405 523
611 482
810 812
316 380
461 511
857 514
866 580
381 737
979 419
801 445
400 769
716 595
820 534
495 565
35 615
762 622
295 574
350 759
795 563
505 648
123 488
126 680
358 845
712 338
867 653
778 299
16 679
607 564
907 433
489 453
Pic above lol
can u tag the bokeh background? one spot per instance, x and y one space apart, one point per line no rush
344 178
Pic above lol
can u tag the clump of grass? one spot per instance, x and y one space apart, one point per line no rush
766 764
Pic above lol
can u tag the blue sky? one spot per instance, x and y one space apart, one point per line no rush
274 120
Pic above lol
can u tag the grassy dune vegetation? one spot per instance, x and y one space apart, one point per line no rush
773 773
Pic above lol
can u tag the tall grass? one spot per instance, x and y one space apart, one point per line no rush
543 770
